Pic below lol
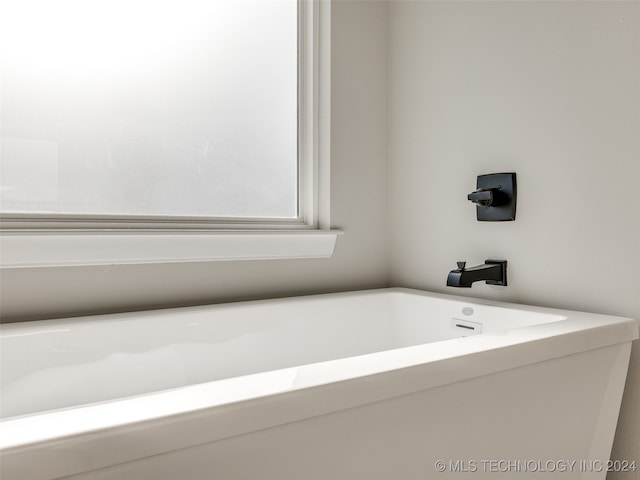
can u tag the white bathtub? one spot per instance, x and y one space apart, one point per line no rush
381 384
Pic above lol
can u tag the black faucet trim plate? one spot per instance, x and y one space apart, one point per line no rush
495 197
503 263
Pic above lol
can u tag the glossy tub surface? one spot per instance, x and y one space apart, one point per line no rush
374 384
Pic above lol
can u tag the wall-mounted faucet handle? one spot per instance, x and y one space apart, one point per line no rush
495 197
461 265
483 197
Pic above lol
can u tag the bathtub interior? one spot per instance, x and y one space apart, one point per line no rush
56 364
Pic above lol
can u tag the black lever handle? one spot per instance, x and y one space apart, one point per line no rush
483 197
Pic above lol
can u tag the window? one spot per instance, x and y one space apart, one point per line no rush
140 107
141 117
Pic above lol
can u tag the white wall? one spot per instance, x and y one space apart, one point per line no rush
358 196
550 90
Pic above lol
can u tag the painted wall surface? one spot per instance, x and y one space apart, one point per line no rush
358 196
551 91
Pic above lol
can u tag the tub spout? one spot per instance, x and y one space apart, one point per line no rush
493 272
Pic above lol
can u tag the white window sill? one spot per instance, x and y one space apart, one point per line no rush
19 250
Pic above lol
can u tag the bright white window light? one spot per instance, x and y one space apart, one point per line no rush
150 108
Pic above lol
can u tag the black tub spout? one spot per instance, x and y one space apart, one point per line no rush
493 272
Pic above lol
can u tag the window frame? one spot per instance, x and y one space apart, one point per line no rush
104 239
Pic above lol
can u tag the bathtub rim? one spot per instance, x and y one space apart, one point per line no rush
356 381
99 317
